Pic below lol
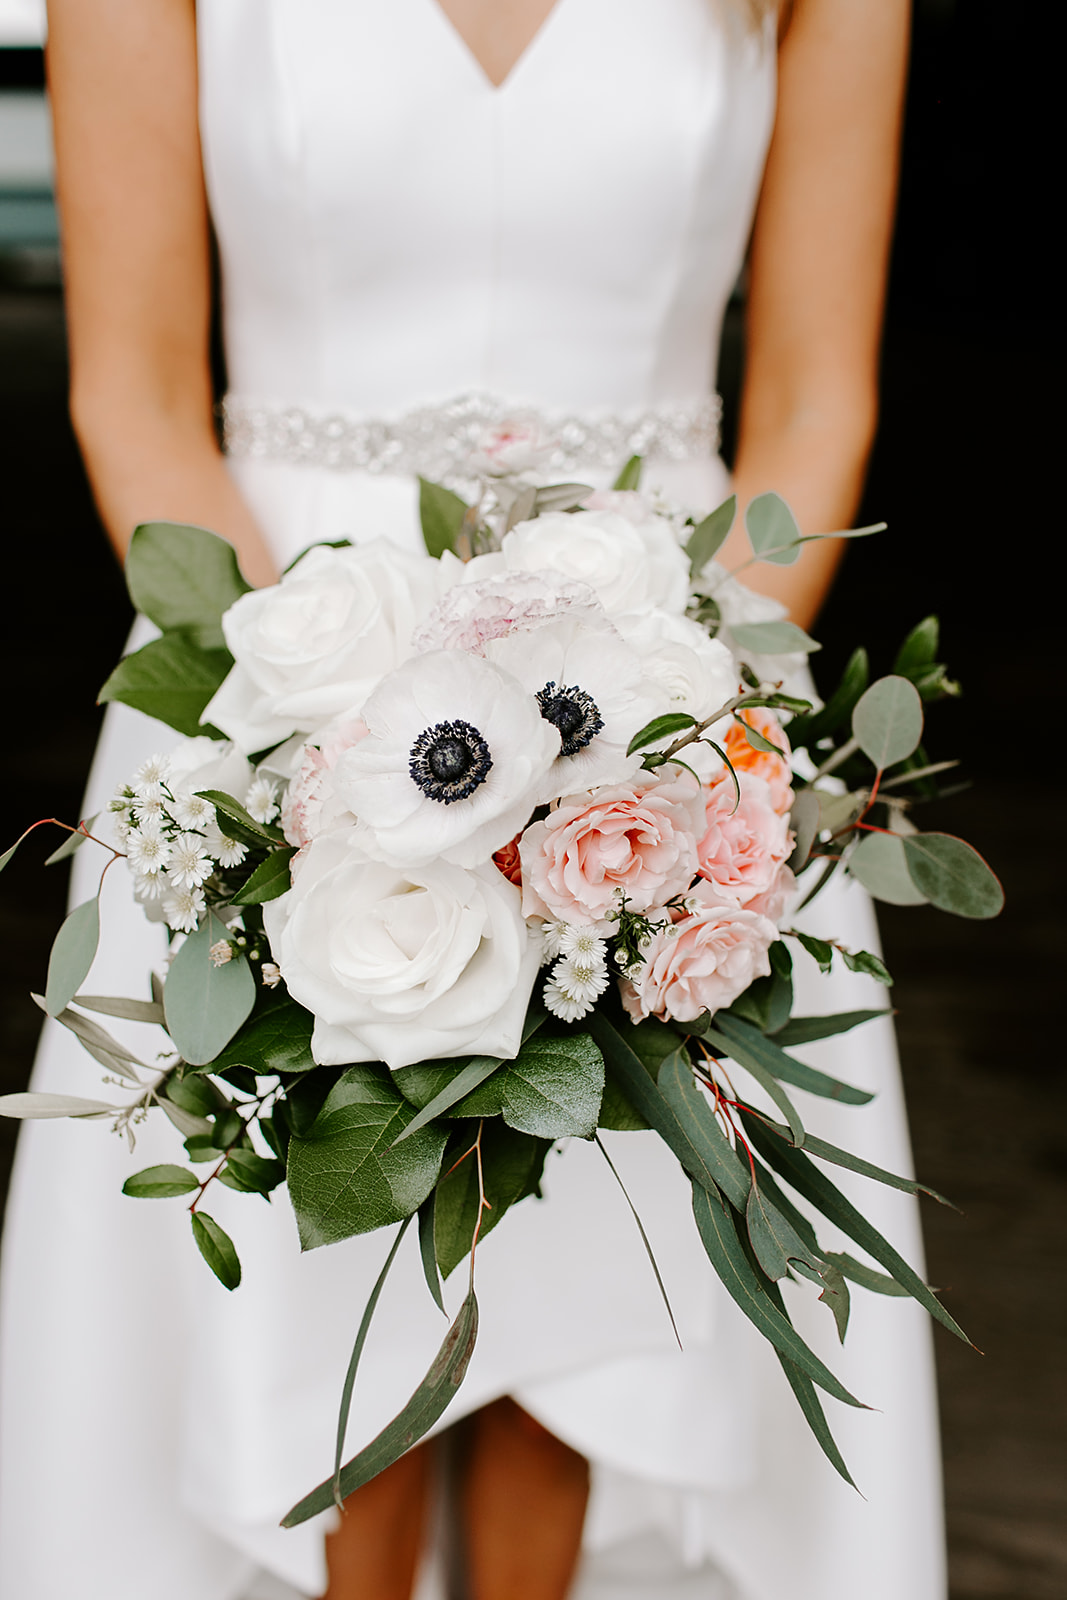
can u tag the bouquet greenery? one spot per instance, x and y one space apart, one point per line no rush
465 853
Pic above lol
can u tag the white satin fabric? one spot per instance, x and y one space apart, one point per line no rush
395 232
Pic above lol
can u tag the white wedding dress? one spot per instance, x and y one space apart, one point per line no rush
403 242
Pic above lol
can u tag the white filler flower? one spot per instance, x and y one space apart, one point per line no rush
454 762
403 965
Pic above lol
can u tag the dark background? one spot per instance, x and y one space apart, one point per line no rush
964 472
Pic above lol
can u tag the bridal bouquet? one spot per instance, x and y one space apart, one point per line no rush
466 852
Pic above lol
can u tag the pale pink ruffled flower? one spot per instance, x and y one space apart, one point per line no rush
471 614
311 805
509 447
745 841
637 839
700 963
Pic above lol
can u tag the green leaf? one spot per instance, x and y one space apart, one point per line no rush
216 1247
427 1249
72 955
772 530
718 1230
417 1418
353 1362
702 1128
160 1183
804 821
952 875
866 961
441 514
879 862
661 728
6 857
818 949
653 1263
195 1095
40 1105
773 638
270 879
560 497
758 741
617 1112
709 536
866 1277
775 1242
437 1087
814 1146
171 679
236 823
804 1030
183 577
71 843
888 721
919 650
261 1173
345 1177
204 1004
767 1002
131 1010
765 1059
814 1415
801 1173
630 476
512 1164
552 1089
276 1038
808 730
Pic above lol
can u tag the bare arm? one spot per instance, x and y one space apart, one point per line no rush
131 197
817 285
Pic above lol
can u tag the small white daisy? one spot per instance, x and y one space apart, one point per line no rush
151 775
226 851
190 811
551 940
261 801
147 851
583 945
182 908
189 866
583 982
562 1001
150 807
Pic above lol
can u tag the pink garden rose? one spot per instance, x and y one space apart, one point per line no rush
702 962
639 838
774 903
745 842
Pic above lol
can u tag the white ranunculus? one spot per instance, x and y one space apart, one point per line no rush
315 644
631 565
403 964
591 686
696 673
456 756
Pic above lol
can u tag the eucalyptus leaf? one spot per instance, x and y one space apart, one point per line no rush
216 1247
776 1243
661 728
561 496
919 650
879 862
709 536
441 515
131 1010
653 1263
630 476
427 1249
701 1126
270 879
438 1087
818 949
838 811
866 1277
417 1418
815 1417
91 1033
188 1124
888 721
161 1183
171 679
772 529
40 1106
345 1177
808 730
804 1030
804 821
773 638
952 875
815 1146
275 1039
72 955
7 855
511 1167
71 843
204 1004
765 1059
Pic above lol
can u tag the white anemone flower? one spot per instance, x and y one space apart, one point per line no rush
455 761
591 686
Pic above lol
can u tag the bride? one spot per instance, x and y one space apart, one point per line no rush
434 216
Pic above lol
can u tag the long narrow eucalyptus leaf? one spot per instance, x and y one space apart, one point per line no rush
702 1128
408 1427
805 1030
132 1010
428 1250
353 1362
72 955
814 1415
719 1233
747 1045
475 1072
844 1158
644 1236
801 1173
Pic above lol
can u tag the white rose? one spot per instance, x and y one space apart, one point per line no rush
205 763
315 644
696 673
631 565
403 965
737 603
456 756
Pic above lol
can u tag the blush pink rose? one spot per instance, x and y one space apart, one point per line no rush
778 897
639 838
311 805
745 842
702 962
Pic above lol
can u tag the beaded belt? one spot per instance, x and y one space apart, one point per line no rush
438 441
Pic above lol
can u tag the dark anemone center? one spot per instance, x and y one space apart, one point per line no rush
449 761
573 712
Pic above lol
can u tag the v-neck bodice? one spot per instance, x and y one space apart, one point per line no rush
394 230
